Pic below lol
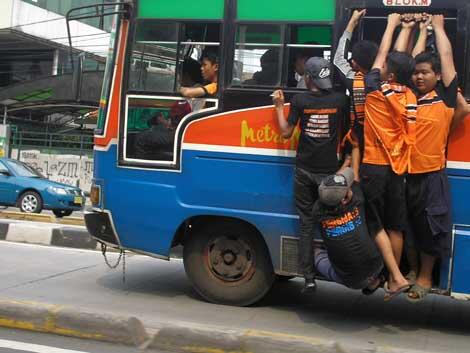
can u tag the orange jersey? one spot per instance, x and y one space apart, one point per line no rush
432 131
390 124
357 114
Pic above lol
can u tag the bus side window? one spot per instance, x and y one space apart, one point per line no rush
305 42
165 57
258 55
153 63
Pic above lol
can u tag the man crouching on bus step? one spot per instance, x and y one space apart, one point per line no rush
210 71
321 112
351 257
390 117
352 74
428 194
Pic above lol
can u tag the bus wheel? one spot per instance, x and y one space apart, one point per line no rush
228 263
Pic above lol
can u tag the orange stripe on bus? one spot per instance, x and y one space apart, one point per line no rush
255 128
114 108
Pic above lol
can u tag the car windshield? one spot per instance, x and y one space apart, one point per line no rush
23 170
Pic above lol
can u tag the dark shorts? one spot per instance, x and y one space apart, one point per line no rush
385 198
429 212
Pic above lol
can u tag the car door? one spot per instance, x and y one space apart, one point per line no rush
7 186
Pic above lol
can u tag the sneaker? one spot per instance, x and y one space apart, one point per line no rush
309 286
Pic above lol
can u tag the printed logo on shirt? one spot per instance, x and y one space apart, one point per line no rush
344 224
318 126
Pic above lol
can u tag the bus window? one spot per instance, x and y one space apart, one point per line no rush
151 125
305 42
258 55
153 63
198 39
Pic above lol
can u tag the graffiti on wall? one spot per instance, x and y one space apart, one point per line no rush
63 168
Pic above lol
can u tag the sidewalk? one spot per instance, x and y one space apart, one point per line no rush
45 229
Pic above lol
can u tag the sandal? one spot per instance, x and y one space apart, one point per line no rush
417 293
389 295
411 276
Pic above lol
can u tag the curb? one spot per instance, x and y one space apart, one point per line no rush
65 321
44 218
47 234
69 322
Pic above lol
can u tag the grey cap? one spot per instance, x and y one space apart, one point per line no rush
319 70
334 188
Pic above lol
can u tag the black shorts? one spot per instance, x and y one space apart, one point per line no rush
429 212
385 198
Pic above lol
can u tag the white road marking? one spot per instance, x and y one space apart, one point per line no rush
34 347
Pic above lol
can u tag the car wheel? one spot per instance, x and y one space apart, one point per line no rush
62 213
30 202
228 263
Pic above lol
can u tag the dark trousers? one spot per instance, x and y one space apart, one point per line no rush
306 194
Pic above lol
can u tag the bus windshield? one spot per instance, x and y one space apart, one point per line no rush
108 77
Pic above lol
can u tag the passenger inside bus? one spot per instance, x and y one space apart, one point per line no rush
209 71
268 76
301 55
157 142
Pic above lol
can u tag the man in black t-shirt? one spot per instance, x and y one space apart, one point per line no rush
350 256
321 113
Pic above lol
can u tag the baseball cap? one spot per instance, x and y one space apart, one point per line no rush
335 187
319 70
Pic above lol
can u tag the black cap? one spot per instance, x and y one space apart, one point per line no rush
335 187
319 70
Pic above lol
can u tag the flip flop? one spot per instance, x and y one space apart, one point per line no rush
411 277
389 295
419 291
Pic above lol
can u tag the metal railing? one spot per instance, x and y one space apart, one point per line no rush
79 144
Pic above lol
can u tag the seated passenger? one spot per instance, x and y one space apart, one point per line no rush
178 111
268 76
300 57
351 257
209 70
159 138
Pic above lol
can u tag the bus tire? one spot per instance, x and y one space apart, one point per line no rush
228 263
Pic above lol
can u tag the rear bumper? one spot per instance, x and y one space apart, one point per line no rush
99 226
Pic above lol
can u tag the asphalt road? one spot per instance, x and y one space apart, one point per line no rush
16 341
157 291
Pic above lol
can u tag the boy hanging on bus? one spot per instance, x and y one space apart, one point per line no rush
210 71
390 117
321 113
350 256
427 186
353 72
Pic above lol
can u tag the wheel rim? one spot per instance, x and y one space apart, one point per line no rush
29 203
230 259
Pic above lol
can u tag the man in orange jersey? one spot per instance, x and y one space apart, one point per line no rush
390 116
428 195
321 113
353 72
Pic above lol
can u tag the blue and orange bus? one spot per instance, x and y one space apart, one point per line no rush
220 181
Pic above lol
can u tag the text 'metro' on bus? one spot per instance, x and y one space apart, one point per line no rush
213 173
